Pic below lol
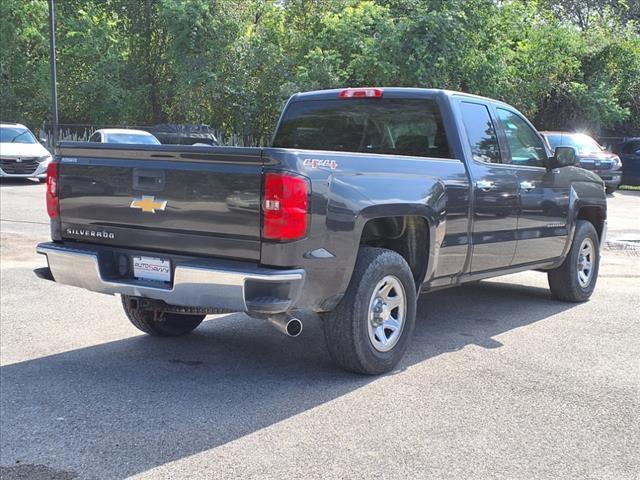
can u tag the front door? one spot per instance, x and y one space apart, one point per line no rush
495 191
544 194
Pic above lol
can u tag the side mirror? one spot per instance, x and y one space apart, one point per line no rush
563 157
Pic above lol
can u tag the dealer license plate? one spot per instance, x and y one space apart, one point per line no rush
152 268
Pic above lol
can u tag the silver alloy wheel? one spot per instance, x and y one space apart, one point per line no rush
586 260
387 310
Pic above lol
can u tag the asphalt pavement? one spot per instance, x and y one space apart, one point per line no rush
500 382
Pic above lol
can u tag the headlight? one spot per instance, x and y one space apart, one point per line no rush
44 158
616 162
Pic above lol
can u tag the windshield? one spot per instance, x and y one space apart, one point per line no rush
16 135
583 143
391 126
131 138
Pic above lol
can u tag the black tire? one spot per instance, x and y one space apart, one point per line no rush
346 328
563 281
170 324
610 190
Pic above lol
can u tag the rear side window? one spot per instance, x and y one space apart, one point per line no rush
391 126
481 132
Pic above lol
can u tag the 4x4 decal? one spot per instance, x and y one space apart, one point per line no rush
317 163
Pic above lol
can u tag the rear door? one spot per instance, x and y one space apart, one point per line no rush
495 190
185 200
543 194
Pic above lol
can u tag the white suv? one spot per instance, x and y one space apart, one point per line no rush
21 155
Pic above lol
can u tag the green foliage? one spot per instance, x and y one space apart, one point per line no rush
233 63
24 74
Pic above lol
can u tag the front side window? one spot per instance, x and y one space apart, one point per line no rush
390 126
16 135
480 132
525 145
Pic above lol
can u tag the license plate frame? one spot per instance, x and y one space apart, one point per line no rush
155 269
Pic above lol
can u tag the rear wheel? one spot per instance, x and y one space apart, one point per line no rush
159 324
370 329
575 279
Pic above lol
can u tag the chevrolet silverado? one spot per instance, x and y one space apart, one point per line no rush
366 198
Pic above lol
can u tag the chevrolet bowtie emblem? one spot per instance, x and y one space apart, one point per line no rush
148 204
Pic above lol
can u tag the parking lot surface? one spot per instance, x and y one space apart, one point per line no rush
500 381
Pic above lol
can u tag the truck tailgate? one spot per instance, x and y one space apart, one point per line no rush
201 201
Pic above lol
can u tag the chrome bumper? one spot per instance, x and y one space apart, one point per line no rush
205 283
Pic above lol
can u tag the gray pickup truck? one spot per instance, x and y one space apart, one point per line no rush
366 198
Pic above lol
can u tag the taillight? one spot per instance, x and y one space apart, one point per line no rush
360 93
285 206
53 206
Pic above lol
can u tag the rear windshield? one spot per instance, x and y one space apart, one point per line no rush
391 126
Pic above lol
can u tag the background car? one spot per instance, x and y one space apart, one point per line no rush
591 155
21 155
629 152
123 135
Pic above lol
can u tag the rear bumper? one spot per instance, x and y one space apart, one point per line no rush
196 282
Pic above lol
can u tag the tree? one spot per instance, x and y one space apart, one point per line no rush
232 64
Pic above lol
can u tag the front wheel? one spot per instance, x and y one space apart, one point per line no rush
610 190
165 324
575 279
370 329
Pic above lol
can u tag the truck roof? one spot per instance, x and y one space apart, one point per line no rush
389 92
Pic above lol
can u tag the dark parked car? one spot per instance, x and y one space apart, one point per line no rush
366 198
173 134
591 155
629 153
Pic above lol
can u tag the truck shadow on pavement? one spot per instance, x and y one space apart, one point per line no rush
121 408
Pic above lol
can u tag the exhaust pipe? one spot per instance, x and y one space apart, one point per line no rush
290 326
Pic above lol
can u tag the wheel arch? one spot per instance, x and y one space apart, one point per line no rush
594 214
410 235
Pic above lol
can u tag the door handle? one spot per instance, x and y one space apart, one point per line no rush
485 185
527 186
